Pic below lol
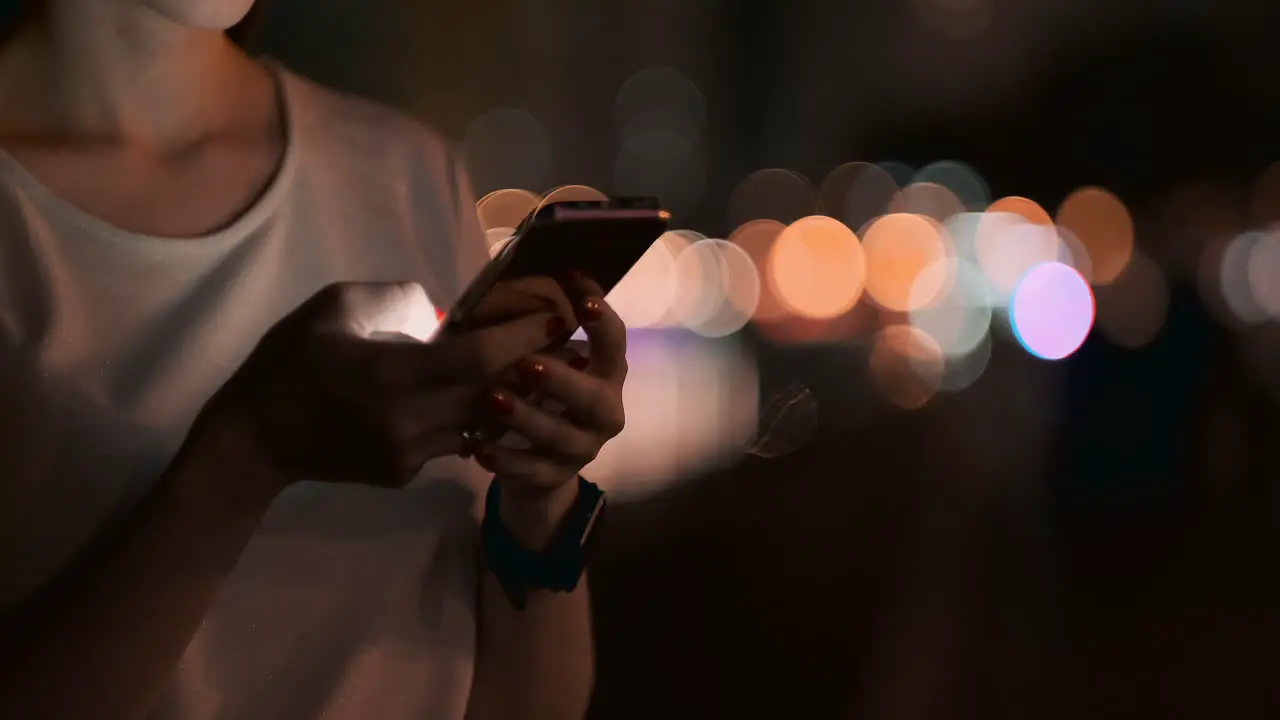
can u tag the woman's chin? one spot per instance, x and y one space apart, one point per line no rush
205 14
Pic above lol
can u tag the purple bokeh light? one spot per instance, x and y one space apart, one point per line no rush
1052 311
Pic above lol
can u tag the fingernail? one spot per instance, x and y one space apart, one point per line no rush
591 310
531 371
579 362
484 459
556 327
501 403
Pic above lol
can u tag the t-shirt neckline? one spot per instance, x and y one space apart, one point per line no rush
247 221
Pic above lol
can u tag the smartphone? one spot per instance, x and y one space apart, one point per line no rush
600 239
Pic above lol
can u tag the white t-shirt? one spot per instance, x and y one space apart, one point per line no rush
350 602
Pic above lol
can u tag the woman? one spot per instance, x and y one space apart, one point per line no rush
178 351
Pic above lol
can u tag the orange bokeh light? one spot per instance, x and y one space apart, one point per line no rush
506 208
817 267
1131 310
1102 224
572 193
928 199
1028 209
757 238
899 248
906 366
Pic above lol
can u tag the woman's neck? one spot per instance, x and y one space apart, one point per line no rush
118 73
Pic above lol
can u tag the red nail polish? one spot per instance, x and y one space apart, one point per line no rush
531 371
579 362
484 459
591 310
502 403
556 327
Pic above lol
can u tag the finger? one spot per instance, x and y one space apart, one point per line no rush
579 286
588 401
550 435
607 338
511 299
574 352
529 469
467 358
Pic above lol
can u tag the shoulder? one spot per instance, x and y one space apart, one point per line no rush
375 137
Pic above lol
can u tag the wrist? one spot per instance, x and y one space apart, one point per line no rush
224 455
534 518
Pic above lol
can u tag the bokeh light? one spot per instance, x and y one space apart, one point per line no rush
675 242
644 297
772 194
1025 208
661 102
899 247
497 239
817 267
1103 226
901 172
915 266
505 148
1131 310
757 239
1232 279
857 193
1263 273
692 404
573 193
962 230
506 208
962 371
1052 311
928 199
963 181
960 319
1073 252
717 287
906 366
1014 235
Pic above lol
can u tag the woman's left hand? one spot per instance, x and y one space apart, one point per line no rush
539 484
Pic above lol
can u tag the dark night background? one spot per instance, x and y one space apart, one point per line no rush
959 561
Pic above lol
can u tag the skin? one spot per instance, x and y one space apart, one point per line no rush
153 96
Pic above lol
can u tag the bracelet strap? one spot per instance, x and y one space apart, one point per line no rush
560 567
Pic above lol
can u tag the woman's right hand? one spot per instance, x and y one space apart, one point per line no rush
321 398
